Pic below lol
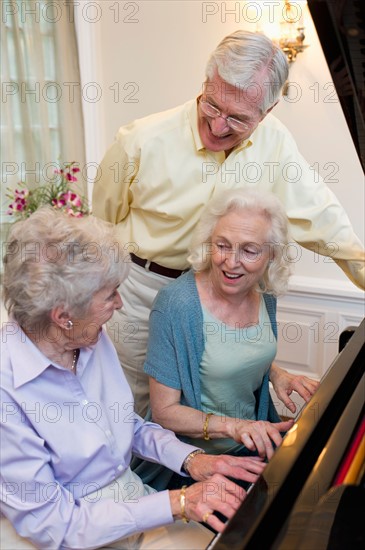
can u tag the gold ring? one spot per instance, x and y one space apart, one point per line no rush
206 516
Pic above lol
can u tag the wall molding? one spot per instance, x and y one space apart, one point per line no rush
311 317
325 288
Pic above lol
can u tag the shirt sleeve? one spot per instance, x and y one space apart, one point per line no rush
167 449
46 511
317 219
117 172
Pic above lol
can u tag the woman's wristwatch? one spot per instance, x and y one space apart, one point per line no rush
185 466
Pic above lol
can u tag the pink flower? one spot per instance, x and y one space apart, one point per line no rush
73 213
58 203
58 194
70 177
21 194
72 198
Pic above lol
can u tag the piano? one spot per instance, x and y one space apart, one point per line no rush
294 503
311 495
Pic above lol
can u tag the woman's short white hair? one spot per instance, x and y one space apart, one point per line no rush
243 58
53 259
275 280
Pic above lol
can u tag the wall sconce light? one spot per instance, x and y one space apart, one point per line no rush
292 31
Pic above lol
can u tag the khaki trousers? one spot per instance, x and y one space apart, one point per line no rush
128 329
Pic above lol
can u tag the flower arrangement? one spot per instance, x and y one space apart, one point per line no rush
57 193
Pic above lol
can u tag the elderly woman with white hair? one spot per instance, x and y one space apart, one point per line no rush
213 331
68 428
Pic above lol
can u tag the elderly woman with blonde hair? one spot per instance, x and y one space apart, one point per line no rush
68 428
213 331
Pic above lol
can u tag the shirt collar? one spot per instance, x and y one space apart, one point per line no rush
193 118
27 360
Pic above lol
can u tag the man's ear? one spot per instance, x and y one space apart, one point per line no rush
59 316
269 109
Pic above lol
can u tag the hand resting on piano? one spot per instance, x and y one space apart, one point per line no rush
285 383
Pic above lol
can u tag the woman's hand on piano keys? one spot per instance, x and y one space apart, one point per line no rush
203 466
285 383
203 498
258 435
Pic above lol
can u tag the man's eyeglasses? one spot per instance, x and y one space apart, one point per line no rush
211 111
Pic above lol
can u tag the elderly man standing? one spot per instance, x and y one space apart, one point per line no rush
162 170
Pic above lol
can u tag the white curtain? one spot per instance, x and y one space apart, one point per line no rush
41 113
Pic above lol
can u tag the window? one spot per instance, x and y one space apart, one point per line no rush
41 114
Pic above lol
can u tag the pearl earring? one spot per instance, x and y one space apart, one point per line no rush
69 325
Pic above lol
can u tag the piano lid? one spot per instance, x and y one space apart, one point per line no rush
340 25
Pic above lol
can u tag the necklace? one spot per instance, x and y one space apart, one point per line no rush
74 360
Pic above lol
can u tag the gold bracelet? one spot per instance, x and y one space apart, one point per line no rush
185 466
182 504
205 427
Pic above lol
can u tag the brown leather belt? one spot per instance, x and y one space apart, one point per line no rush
156 268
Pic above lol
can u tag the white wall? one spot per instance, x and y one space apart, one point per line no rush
321 131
